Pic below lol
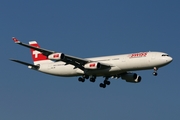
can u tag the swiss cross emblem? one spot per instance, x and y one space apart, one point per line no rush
36 53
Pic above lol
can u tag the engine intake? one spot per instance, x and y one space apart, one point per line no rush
92 65
56 56
131 77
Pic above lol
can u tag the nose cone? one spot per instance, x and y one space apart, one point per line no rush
169 59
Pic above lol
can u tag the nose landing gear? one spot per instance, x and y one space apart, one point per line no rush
155 71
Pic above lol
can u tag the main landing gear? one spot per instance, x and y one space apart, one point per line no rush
106 82
155 71
82 79
93 79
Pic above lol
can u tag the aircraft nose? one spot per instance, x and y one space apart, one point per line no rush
169 59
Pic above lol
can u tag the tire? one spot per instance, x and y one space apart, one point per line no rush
92 79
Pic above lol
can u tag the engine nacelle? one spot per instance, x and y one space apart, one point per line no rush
56 56
131 77
92 65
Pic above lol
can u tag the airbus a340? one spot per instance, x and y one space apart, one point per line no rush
115 66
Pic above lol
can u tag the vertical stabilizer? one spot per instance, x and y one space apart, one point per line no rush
38 57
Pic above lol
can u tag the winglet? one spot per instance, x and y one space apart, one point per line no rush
15 40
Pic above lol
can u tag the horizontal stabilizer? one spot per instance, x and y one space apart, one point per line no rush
27 64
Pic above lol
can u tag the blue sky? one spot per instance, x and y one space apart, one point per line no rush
86 29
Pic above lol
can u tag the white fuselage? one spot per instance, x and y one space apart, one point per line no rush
118 63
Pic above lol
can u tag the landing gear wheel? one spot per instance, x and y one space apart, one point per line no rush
81 79
102 85
86 76
92 79
107 82
155 73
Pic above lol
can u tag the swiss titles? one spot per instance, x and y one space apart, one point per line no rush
137 55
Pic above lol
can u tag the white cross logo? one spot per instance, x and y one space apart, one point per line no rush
36 53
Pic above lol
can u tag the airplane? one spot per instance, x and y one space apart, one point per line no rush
114 66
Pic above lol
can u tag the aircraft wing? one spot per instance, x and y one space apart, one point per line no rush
43 51
77 62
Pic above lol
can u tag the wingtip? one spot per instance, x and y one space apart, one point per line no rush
15 40
11 59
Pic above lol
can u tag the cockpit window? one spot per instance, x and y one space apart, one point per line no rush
165 55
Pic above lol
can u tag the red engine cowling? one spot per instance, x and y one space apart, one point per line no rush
92 65
56 56
131 77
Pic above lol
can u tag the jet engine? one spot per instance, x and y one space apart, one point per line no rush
131 77
92 65
56 56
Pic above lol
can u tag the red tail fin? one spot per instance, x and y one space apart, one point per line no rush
37 56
